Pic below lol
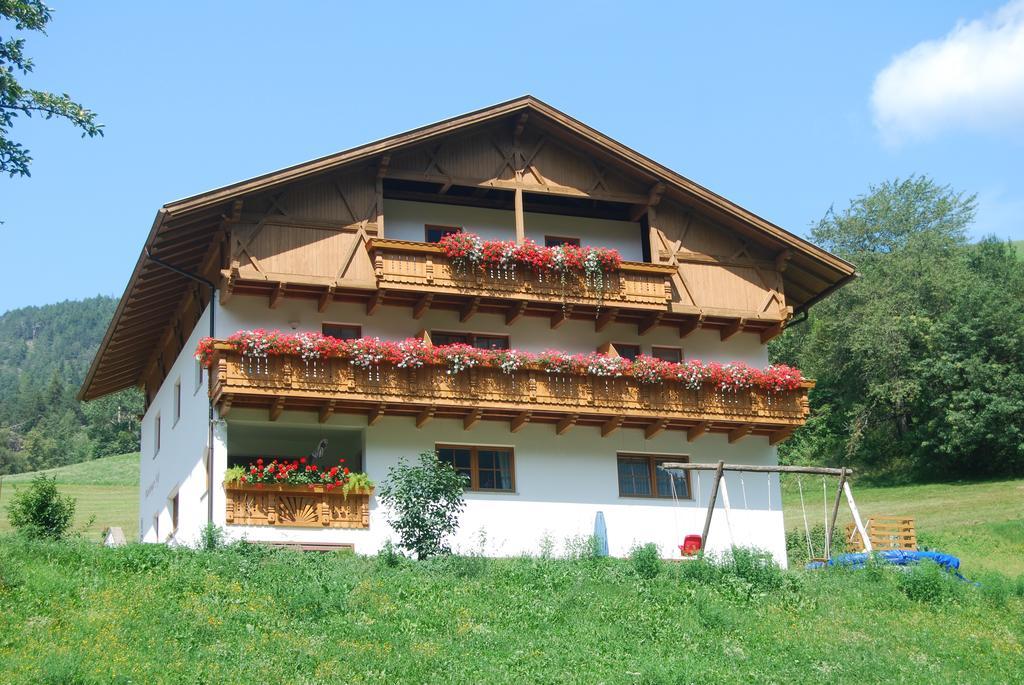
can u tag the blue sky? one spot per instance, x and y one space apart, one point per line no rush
775 107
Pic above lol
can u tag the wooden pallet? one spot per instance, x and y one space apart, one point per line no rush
885 532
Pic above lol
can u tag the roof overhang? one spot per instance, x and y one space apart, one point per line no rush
184 231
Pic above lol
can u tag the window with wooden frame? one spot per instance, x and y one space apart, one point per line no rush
639 476
483 341
668 354
489 469
433 233
627 350
342 331
556 240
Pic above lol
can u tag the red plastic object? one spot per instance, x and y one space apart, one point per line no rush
691 545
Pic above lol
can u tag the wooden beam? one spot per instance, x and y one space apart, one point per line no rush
689 326
276 294
520 421
779 436
519 217
769 333
225 406
376 414
422 305
514 313
694 432
737 434
610 426
604 318
471 419
565 424
374 302
469 310
326 297
325 411
782 260
276 409
711 505
655 427
560 317
424 417
731 329
645 326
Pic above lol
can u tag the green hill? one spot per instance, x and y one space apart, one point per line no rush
106 490
44 355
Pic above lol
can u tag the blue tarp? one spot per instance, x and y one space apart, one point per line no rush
895 557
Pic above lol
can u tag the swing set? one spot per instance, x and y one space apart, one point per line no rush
692 545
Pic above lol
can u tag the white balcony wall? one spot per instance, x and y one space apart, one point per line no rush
405 220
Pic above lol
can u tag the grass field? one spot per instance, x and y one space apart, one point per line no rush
107 492
82 613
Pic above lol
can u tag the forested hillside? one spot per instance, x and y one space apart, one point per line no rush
44 355
920 361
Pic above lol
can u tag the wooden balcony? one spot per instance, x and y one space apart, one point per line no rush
422 268
525 396
296 506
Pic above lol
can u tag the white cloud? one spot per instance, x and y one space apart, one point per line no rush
971 79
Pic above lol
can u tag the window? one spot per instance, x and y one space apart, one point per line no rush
435 233
484 341
177 402
556 240
488 468
668 354
637 472
199 377
156 436
342 331
173 506
627 350
156 527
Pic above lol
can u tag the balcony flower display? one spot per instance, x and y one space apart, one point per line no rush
262 472
468 252
414 353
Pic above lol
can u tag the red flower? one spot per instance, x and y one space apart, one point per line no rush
302 461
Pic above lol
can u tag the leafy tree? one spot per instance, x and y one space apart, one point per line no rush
40 511
16 100
919 361
425 501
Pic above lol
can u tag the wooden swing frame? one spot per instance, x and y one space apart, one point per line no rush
721 467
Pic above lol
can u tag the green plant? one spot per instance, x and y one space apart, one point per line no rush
40 511
211 537
929 583
424 503
388 556
646 560
233 475
357 482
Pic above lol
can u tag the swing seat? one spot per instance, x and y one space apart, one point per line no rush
691 545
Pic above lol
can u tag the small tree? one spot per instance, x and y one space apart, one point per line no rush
425 501
40 511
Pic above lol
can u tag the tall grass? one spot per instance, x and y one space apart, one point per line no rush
79 613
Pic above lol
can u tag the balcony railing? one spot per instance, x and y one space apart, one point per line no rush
526 395
296 505
422 267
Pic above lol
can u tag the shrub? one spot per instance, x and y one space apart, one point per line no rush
796 543
646 560
388 556
39 511
929 583
425 501
583 548
756 567
211 537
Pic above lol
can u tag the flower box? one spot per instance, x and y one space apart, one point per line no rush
300 506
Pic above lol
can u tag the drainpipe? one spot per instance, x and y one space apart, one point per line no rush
213 309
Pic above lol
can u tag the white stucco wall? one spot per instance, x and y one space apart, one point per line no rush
561 484
532 334
178 466
405 221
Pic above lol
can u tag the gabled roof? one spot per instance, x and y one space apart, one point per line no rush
183 230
